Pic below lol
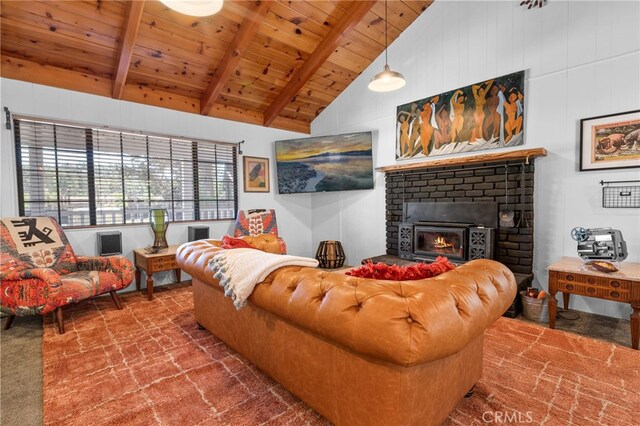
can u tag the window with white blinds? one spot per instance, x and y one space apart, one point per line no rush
87 176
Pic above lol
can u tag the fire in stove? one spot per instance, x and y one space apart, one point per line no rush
441 240
441 244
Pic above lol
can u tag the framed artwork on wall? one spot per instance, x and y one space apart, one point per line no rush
325 163
485 115
256 174
610 141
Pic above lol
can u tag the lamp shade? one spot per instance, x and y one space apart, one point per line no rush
194 7
158 220
330 255
387 80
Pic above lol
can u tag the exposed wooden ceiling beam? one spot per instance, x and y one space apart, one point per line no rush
32 72
352 16
129 34
247 30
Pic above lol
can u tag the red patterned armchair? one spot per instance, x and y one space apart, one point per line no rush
256 222
39 272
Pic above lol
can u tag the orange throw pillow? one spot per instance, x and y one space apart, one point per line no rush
232 243
381 271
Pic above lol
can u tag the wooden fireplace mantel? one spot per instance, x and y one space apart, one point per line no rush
521 154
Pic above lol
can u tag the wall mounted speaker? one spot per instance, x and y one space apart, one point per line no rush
198 233
109 243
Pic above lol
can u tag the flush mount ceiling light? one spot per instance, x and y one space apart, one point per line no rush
194 7
387 80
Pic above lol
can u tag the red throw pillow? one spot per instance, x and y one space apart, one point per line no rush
232 243
418 271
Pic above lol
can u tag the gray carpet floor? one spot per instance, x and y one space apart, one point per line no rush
21 360
21 373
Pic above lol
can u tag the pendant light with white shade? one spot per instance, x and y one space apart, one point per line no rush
387 80
194 7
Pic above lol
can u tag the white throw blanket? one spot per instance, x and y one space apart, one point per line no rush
239 270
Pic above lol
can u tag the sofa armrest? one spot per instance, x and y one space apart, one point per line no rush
264 242
118 265
29 291
196 255
47 275
268 243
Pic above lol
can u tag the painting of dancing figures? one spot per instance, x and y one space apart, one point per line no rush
485 115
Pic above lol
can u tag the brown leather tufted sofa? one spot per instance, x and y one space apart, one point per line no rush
360 351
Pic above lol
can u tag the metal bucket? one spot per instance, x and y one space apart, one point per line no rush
535 309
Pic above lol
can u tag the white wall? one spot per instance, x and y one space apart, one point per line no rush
294 220
582 60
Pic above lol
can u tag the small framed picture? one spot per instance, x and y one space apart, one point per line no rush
256 174
610 141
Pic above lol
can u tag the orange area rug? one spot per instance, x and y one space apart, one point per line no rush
148 364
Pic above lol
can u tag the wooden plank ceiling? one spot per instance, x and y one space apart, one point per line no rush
273 63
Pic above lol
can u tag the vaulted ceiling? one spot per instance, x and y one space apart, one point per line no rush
272 63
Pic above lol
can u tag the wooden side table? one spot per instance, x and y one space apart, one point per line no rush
165 260
571 276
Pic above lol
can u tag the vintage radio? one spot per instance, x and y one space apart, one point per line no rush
600 244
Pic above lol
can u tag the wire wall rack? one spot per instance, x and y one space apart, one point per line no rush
619 194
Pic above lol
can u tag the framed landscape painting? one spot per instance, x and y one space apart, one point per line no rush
325 163
485 115
256 174
610 141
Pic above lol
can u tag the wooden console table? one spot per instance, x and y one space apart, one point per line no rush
571 276
165 260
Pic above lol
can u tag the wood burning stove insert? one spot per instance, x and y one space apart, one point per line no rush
459 242
436 239
461 231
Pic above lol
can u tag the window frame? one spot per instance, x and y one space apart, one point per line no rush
90 130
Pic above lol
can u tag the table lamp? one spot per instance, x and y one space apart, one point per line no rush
159 225
330 254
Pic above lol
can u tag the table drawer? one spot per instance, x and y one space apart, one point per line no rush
612 283
164 264
604 291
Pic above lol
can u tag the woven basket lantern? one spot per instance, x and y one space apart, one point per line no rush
330 254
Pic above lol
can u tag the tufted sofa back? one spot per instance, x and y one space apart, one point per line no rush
406 322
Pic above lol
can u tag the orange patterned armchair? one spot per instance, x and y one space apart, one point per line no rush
40 273
257 222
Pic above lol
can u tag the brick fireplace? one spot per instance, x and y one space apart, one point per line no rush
471 186
468 184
